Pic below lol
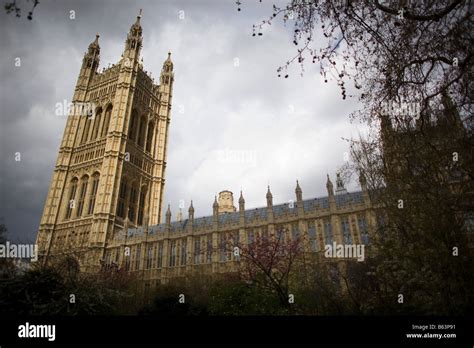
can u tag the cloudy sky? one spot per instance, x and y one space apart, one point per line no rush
234 124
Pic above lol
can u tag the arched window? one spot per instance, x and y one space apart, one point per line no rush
95 129
95 186
132 202
141 132
141 206
149 136
72 195
133 126
82 195
346 231
328 237
122 199
85 133
105 125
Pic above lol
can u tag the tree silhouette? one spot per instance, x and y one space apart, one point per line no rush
12 6
411 52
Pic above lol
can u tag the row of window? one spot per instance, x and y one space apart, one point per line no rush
97 126
202 246
133 200
103 91
88 155
64 240
79 196
144 98
140 132
345 228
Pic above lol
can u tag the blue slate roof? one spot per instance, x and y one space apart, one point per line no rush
353 197
229 217
278 210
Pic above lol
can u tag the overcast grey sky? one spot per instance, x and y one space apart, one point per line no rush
232 127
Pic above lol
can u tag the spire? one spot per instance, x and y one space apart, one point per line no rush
137 24
269 197
134 40
241 198
215 206
168 215
95 43
329 186
191 208
167 71
91 58
299 192
241 202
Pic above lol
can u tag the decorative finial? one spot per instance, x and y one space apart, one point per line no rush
140 13
298 185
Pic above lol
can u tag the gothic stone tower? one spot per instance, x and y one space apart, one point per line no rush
111 164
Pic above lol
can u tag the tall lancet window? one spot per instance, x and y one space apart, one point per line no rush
82 195
141 132
95 186
105 124
149 136
85 132
95 129
71 203
328 237
133 126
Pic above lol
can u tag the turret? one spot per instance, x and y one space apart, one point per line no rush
299 192
90 64
226 202
191 212
329 187
269 197
167 76
168 215
215 207
241 209
241 202
133 43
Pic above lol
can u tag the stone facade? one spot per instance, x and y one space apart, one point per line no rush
105 200
177 249
112 159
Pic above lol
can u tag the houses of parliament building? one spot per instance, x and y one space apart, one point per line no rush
105 200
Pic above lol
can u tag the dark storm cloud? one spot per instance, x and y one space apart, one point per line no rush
280 129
